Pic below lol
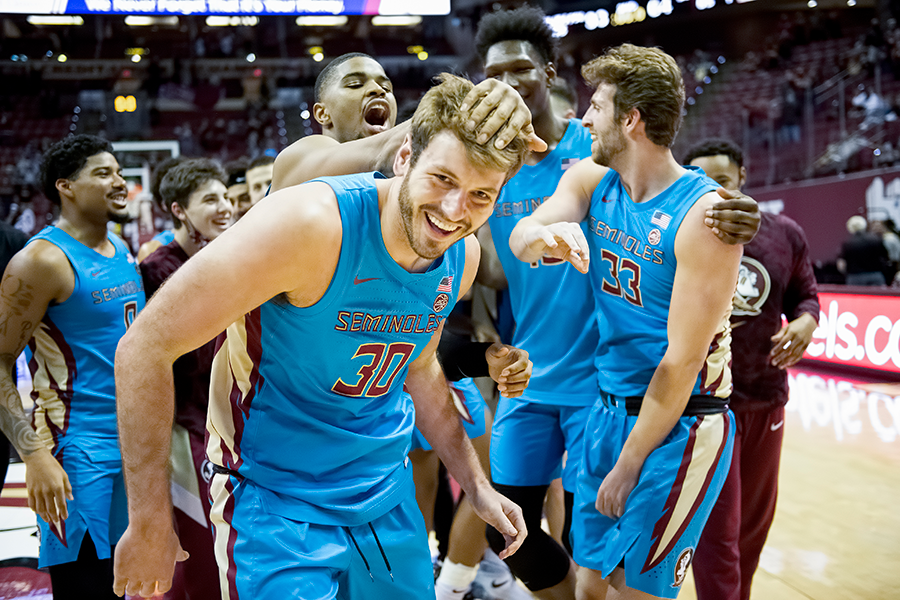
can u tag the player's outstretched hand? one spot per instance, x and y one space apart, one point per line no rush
789 344
145 560
509 367
735 218
564 241
48 486
502 514
495 106
615 489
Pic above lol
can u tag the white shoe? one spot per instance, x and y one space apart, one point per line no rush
494 581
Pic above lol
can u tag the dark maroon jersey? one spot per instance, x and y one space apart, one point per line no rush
776 277
191 371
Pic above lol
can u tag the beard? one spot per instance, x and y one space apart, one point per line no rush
119 217
610 144
425 248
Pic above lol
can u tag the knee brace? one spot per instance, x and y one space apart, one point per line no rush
540 562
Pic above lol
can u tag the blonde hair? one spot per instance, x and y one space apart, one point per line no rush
438 111
647 79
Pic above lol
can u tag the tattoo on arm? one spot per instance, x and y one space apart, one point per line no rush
17 297
13 420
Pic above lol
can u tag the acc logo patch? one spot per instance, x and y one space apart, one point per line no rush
654 236
441 302
681 566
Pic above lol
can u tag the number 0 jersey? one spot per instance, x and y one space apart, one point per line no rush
307 402
73 348
632 273
551 301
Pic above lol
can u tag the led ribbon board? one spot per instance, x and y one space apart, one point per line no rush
227 7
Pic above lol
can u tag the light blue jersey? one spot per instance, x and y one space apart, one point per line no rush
164 237
551 301
72 350
306 402
632 273
71 363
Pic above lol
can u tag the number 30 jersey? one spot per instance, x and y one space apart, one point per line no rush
632 274
73 348
307 402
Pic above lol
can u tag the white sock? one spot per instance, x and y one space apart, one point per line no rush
457 576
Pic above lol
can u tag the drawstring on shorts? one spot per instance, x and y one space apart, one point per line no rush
363 556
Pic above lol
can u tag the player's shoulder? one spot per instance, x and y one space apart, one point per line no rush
586 173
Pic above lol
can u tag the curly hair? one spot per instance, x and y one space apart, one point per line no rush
184 179
521 24
647 79
716 147
66 158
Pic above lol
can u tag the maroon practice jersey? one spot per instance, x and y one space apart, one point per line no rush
776 277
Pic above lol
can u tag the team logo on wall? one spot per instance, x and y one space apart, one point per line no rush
654 236
441 302
753 287
681 566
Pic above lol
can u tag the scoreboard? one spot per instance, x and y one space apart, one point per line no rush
227 7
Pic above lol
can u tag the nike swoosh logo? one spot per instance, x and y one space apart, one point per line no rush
357 280
604 200
777 425
494 583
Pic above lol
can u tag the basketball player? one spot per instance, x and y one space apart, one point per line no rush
70 294
335 292
532 433
658 442
194 193
776 278
355 103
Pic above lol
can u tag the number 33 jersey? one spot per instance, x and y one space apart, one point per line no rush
306 402
632 274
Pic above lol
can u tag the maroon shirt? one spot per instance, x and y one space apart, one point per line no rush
776 277
191 371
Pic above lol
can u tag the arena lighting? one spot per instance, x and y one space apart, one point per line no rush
322 21
136 58
216 21
62 58
422 55
55 20
139 21
812 3
125 104
251 57
851 2
396 21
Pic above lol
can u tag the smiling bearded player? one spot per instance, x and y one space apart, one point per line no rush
333 297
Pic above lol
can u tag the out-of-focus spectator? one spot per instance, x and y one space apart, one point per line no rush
863 255
238 192
887 231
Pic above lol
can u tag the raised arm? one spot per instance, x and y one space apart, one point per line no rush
438 420
701 299
493 106
553 229
321 156
35 277
290 239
